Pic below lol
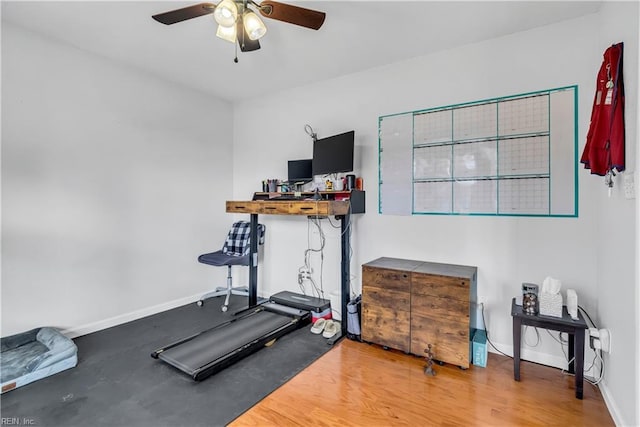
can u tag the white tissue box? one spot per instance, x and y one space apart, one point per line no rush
550 304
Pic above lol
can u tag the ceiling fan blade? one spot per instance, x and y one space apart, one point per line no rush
292 14
245 43
185 13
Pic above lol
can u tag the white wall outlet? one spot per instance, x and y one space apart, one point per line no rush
304 274
628 182
605 340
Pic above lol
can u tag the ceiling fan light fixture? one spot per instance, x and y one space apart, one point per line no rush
226 13
227 33
254 25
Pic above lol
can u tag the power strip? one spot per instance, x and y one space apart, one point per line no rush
304 274
600 339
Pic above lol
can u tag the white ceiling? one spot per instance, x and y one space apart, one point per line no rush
356 35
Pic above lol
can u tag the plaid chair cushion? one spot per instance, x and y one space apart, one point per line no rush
239 239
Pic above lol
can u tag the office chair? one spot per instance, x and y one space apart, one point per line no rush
234 252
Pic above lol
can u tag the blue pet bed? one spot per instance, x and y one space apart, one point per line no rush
34 355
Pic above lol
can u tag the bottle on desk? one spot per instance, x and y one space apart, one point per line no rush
328 185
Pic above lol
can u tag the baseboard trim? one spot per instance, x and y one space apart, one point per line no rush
531 356
127 317
561 363
611 404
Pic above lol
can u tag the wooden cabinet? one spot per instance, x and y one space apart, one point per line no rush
408 305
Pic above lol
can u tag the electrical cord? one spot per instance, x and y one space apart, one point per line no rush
599 380
597 355
597 352
561 342
524 336
487 332
588 317
304 272
306 269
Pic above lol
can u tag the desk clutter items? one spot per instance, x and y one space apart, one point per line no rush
350 182
270 185
572 303
319 183
550 298
530 299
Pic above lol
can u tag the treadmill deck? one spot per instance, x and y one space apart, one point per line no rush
214 349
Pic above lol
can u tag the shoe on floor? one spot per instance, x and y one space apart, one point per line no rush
330 329
318 326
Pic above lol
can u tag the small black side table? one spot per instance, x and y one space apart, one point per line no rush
575 329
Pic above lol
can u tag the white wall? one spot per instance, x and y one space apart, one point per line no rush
113 182
507 251
617 228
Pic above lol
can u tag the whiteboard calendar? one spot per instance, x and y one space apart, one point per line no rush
514 155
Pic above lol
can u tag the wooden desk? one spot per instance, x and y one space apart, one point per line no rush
575 329
341 209
290 207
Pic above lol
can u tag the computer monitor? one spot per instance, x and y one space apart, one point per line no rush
333 154
300 171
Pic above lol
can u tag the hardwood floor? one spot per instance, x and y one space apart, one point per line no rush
365 385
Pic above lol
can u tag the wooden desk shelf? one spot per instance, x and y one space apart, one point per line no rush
289 207
339 203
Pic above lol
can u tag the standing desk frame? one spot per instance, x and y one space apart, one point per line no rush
341 209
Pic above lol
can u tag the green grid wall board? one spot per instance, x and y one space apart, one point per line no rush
514 155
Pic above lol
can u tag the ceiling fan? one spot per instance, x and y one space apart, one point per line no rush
237 20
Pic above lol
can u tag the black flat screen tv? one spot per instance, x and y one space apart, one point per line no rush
333 154
300 171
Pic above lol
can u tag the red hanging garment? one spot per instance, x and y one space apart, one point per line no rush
604 150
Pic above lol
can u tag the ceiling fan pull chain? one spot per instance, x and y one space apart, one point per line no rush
236 58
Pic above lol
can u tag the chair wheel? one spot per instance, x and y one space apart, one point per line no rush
224 308
200 303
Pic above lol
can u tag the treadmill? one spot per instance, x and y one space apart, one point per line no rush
212 350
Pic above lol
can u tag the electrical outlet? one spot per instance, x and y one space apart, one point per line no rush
482 300
629 185
605 340
304 274
600 339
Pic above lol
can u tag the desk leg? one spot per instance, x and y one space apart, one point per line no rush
517 331
579 361
345 267
253 264
571 368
